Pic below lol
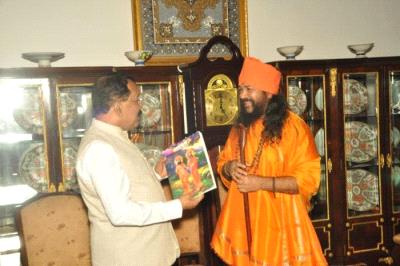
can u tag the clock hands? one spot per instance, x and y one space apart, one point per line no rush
221 106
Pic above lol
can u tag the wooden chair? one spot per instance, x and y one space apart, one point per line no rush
54 230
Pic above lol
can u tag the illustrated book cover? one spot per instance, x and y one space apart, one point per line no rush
188 166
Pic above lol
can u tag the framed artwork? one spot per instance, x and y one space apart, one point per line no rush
176 30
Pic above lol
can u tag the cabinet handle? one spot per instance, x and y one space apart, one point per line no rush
389 160
61 188
52 188
181 87
382 161
329 165
333 75
387 260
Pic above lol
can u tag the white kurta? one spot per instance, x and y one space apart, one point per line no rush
127 209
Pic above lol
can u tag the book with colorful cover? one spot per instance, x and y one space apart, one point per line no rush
188 166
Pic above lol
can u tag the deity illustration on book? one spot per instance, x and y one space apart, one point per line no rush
188 166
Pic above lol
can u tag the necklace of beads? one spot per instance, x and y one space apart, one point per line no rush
257 156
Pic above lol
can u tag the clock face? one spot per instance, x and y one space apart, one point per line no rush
221 107
221 101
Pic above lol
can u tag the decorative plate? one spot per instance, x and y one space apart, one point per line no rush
355 97
29 116
70 151
297 100
68 110
33 167
362 190
151 111
319 99
151 153
320 141
360 142
395 136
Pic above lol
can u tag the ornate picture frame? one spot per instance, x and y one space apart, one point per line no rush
176 30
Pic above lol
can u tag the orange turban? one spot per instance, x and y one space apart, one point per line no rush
259 76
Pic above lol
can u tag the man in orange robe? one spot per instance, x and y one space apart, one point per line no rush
280 174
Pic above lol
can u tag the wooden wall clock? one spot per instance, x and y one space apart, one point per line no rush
211 92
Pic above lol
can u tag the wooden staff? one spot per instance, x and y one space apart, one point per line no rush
242 143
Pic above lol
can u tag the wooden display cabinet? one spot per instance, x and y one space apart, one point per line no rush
351 105
46 111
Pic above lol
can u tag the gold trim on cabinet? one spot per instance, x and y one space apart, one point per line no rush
350 228
382 160
181 89
333 80
389 160
387 260
326 229
330 255
45 82
329 165
382 220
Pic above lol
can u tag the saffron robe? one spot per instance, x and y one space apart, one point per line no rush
282 232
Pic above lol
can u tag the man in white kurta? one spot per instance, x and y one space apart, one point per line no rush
128 213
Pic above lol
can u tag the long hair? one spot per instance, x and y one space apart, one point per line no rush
276 114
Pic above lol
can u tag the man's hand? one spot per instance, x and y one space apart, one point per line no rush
235 169
191 200
160 168
249 183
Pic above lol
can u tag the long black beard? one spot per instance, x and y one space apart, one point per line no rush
276 113
246 118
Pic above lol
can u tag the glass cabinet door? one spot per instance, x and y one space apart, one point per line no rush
305 97
22 133
74 109
361 143
23 153
155 131
394 159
